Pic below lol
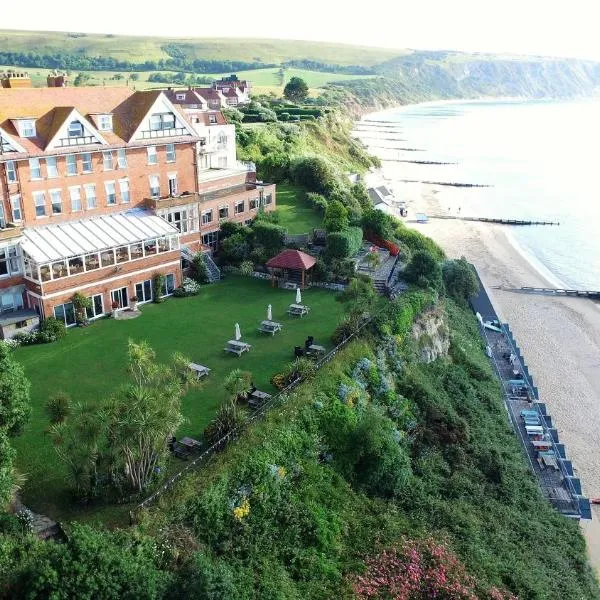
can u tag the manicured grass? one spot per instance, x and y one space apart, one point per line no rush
90 363
295 213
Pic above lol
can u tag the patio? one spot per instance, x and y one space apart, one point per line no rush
90 362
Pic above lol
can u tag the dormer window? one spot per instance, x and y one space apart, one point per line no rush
27 128
75 129
180 96
161 121
105 122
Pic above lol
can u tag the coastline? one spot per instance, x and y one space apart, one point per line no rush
560 337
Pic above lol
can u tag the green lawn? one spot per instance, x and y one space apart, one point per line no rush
295 213
89 363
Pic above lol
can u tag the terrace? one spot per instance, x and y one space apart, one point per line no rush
90 363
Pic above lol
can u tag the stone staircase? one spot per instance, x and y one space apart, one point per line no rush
42 526
214 273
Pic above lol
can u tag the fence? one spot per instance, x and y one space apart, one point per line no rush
258 413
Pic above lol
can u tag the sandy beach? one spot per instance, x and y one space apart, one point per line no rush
559 337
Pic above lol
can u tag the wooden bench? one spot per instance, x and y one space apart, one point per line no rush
271 327
297 310
200 370
236 347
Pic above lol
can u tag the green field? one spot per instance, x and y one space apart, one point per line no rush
90 363
141 48
295 213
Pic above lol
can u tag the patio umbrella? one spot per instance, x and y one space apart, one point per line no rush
238 333
269 313
298 296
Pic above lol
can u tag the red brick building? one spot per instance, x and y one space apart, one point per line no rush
84 172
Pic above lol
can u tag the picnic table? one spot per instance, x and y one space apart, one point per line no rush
237 347
271 327
200 370
257 398
316 349
190 443
298 310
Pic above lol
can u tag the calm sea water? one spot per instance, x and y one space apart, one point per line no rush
542 159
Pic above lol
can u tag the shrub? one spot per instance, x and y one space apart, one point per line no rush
235 248
343 244
189 288
460 279
158 283
58 407
315 173
346 328
424 270
229 417
268 235
198 269
336 217
246 268
317 201
51 326
416 241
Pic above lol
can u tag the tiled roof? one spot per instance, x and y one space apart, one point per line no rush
190 97
51 106
204 119
292 259
208 93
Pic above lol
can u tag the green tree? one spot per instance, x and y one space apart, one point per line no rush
58 407
198 268
81 79
7 455
336 217
134 76
238 383
424 270
14 394
296 90
233 115
80 304
460 279
359 296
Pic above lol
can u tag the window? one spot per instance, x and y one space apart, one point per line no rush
59 269
75 265
91 262
170 153
211 239
10 261
11 171
150 247
181 218
107 158
75 129
15 203
75 194
9 302
223 212
34 168
27 128
269 199
71 164
122 254
161 121
107 258
180 96
2 217
152 156
97 307
39 199
105 123
143 291
207 217
136 251
90 195
111 194
86 162
56 202
169 285
122 158
253 203
240 207
124 188
212 119
172 184
51 169
65 313
154 186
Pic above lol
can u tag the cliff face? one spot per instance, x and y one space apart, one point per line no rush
431 335
423 76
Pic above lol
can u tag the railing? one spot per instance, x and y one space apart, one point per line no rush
157 133
258 413
82 140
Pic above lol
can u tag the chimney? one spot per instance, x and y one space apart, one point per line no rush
56 79
11 79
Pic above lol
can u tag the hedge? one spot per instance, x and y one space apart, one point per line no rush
343 244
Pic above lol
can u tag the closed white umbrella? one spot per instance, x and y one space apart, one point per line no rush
298 296
238 333
269 313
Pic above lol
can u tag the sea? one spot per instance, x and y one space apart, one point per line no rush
540 159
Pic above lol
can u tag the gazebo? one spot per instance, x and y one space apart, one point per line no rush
291 266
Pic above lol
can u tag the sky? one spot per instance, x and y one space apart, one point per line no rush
539 27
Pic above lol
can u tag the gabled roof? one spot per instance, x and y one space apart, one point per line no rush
292 259
50 107
190 97
203 118
209 93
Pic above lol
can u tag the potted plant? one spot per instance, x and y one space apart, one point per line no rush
114 306
133 300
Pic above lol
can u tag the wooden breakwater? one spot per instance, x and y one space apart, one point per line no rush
591 294
448 183
422 162
494 220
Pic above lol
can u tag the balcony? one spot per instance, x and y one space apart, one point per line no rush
170 201
82 140
11 231
160 133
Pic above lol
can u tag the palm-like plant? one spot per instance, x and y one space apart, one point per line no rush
238 383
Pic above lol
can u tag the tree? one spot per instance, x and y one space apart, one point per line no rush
134 76
238 383
80 304
233 115
198 268
424 270
460 279
14 394
359 296
296 90
81 79
336 217
58 407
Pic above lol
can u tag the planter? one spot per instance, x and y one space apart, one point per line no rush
133 305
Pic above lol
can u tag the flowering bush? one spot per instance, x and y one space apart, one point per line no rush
421 570
243 510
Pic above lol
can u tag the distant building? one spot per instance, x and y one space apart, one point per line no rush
235 90
12 79
57 80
